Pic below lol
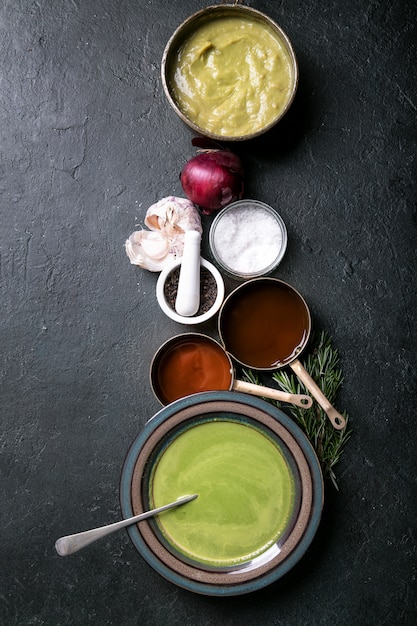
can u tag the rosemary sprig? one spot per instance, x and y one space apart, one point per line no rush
322 363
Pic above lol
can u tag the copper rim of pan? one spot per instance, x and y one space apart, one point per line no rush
164 351
232 299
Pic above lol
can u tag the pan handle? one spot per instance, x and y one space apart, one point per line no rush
336 419
301 400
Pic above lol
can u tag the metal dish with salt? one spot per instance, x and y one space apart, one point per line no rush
248 239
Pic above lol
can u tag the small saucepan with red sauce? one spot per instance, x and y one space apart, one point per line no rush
265 324
192 362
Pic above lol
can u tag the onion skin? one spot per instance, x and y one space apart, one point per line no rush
213 179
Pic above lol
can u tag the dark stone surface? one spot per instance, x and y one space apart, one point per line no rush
88 142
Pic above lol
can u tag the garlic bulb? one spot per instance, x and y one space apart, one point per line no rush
168 220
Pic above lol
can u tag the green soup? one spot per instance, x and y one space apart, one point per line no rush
246 492
233 76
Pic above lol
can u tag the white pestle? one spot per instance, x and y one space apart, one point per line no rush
188 294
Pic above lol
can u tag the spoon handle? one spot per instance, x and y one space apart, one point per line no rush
72 543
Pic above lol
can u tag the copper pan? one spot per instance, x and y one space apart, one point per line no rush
265 324
173 377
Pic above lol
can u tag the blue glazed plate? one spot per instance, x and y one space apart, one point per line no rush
249 574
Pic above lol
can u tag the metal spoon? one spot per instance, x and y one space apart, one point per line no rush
73 543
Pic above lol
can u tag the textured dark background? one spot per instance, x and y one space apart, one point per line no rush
88 143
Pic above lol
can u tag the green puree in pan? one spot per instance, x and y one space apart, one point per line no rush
245 492
233 76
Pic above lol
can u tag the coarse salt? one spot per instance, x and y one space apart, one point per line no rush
248 239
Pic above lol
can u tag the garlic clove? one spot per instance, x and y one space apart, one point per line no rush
173 216
154 245
168 221
148 250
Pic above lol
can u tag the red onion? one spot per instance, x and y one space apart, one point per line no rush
213 179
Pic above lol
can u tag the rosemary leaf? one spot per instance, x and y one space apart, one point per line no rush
322 363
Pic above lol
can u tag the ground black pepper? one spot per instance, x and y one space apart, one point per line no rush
208 289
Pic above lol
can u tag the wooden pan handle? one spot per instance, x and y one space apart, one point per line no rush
334 416
301 400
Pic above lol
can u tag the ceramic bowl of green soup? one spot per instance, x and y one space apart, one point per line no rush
229 72
259 486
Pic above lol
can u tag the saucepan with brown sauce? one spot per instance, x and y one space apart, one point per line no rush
192 362
265 324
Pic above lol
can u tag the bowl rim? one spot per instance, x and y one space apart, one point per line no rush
196 319
176 37
264 271
199 580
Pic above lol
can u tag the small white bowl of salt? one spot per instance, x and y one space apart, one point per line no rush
248 239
